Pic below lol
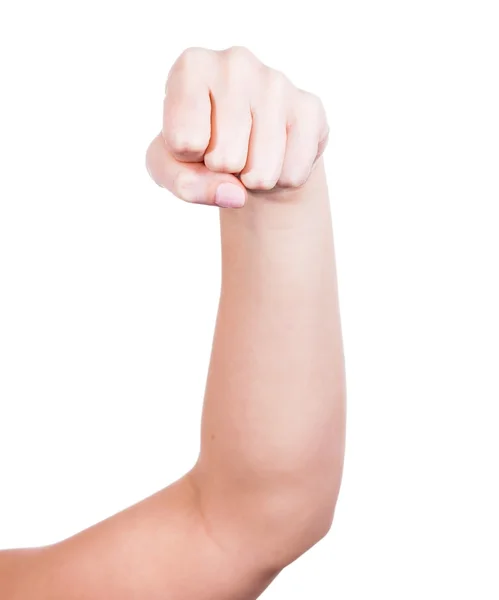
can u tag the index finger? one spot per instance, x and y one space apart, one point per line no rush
187 107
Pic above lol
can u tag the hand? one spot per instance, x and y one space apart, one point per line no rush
233 125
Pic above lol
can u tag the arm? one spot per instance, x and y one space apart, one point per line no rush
265 485
273 423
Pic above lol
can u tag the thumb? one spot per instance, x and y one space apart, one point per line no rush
193 182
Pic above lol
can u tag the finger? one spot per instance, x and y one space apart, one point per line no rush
306 140
187 113
267 143
300 155
193 182
230 133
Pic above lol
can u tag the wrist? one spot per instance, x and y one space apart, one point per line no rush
276 234
282 209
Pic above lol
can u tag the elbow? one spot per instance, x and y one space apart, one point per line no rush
298 518
274 510
271 521
299 508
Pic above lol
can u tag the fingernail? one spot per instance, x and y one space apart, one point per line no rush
229 195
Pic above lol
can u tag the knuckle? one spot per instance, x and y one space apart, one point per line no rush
324 140
223 163
315 105
190 63
183 185
184 144
193 56
275 88
292 180
241 54
254 181
279 81
309 110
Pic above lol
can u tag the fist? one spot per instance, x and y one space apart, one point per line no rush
231 126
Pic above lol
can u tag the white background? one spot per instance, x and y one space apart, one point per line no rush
109 285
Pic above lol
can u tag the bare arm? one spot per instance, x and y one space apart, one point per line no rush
274 408
265 485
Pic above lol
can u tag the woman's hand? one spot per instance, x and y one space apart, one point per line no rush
232 124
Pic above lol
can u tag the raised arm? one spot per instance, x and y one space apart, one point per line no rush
265 485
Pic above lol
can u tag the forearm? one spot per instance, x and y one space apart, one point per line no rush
273 422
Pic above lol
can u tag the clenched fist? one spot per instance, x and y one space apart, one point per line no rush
233 125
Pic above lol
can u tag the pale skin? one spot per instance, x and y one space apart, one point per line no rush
265 485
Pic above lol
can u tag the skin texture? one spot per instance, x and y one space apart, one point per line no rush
265 485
